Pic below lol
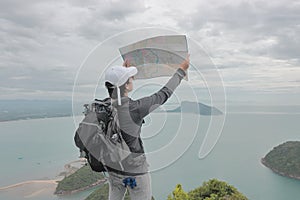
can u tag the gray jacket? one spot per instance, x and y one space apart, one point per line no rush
131 117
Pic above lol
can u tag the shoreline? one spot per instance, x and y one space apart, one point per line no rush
40 187
51 181
36 118
30 189
228 112
263 161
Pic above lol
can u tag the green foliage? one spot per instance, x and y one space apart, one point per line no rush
178 194
83 177
285 158
211 190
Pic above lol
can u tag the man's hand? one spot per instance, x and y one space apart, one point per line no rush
186 63
126 63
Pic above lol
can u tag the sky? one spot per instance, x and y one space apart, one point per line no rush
254 45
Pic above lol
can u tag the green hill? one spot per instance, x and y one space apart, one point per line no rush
82 179
211 190
284 159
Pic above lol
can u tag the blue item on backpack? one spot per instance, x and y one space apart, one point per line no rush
130 181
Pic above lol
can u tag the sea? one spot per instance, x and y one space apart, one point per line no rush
38 149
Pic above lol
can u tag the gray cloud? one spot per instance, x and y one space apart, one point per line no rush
248 22
288 45
42 43
109 18
55 79
21 13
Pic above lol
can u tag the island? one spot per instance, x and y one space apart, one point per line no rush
284 159
196 108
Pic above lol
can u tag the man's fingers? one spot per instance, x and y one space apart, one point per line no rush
188 57
126 63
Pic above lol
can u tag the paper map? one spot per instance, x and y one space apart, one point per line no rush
157 56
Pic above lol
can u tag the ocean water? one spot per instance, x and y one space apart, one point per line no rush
39 149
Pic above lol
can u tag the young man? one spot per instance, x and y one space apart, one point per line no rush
119 82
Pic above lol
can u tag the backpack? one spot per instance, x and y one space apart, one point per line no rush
99 137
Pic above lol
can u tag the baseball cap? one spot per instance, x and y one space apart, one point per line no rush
118 75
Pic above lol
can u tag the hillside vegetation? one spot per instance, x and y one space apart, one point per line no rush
82 179
284 159
211 190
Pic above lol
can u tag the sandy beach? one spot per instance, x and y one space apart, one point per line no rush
40 188
30 189
21 184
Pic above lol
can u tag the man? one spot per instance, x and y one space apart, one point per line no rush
119 82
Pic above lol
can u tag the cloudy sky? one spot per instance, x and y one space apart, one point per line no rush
254 44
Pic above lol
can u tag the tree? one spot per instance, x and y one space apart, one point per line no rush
216 190
178 194
211 190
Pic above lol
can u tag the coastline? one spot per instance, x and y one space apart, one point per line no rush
36 118
24 183
31 189
263 161
44 187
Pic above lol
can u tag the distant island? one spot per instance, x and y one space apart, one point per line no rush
196 108
284 159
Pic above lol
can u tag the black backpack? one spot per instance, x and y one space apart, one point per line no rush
99 137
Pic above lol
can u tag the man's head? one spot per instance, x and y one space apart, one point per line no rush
118 81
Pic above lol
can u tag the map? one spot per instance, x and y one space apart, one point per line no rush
157 56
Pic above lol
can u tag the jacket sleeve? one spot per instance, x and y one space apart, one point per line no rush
147 104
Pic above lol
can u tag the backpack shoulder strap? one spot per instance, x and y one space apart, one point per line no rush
103 101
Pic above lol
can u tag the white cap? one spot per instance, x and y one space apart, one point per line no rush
118 75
